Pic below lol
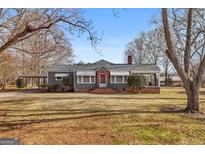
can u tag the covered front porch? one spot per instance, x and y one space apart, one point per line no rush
152 79
32 81
105 80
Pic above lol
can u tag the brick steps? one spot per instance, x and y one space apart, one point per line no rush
103 91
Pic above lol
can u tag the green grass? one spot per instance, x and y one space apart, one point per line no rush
71 118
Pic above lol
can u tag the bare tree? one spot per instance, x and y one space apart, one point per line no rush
184 32
148 49
136 49
43 49
154 46
7 69
17 25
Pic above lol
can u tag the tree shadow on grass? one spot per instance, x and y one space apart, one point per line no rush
71 114
127 98
202 92
8 90
77 114
18 101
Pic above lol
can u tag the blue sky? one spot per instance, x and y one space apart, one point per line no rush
117 32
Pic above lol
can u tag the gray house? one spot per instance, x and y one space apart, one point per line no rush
104 77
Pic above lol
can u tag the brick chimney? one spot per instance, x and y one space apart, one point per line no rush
129 59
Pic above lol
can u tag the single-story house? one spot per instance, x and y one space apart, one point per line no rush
104 77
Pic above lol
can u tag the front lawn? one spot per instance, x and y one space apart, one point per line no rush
71 118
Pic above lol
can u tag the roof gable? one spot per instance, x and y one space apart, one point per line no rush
102 61
107 68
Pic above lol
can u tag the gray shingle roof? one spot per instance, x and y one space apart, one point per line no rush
111 66
63 68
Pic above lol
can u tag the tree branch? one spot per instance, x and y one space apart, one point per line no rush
188 42
171 54
200 72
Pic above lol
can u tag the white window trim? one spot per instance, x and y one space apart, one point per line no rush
78 79
111 79
90 81
61 74
86 82
120 76
119 73
115 81
124 79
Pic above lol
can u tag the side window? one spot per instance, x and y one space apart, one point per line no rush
92 79
113 79
86 79
119 79
79 79
59 78
125 79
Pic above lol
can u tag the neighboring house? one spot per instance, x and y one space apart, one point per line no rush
103 76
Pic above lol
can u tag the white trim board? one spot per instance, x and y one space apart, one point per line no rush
145 72
61 74
102 66
120 73
85 73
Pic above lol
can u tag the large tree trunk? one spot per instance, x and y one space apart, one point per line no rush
192 98
3 86
191 87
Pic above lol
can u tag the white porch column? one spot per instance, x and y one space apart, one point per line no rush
158 79
74 75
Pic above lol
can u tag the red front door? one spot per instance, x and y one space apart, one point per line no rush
102 80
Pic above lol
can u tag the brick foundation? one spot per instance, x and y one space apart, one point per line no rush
145 90
103 91
82 90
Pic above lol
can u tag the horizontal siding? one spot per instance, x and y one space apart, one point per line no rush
52 80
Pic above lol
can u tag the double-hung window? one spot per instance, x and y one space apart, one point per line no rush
59 78
112 79
118 79
92 79
85 79
125 79
79 79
